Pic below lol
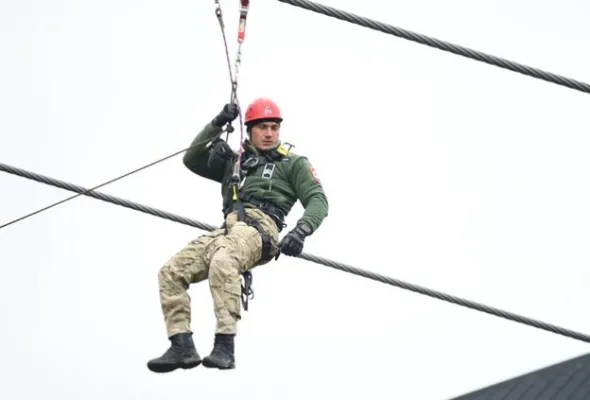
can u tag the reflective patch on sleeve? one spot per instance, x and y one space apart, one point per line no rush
314 174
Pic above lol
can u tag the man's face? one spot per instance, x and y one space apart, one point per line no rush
265 135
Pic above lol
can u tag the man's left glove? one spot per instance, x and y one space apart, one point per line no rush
292 243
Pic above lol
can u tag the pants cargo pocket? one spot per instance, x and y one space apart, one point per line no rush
232 291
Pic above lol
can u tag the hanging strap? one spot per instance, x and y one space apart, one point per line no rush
244 5
247 291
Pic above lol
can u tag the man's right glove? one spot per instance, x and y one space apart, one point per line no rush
292 243
228 114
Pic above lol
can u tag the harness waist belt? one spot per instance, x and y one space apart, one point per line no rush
277 215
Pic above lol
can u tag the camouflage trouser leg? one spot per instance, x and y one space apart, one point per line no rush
238 251
189 265
221 258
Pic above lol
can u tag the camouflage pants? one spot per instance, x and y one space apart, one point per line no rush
221 258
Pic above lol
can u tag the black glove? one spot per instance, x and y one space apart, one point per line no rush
228 114
292 243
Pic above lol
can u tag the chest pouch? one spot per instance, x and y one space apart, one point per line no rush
220 153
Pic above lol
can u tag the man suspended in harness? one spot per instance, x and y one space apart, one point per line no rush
272 180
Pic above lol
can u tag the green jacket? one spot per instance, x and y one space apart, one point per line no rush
293 178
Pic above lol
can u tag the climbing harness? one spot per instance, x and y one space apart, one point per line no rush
244 200
249 165
247 291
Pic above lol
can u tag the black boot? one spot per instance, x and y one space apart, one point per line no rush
222 356
181 354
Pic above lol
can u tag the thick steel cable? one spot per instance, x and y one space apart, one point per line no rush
151 164
105 197
441 45
319 260
23 217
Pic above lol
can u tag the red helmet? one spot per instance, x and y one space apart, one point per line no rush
262 109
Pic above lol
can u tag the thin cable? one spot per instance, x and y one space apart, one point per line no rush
319 260
99 186
439 44
219 14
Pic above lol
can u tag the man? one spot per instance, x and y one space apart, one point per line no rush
271 180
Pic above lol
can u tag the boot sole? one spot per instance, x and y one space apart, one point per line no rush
172 367
209 364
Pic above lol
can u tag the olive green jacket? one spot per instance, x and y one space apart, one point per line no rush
280 182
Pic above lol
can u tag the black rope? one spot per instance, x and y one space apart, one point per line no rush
319 260
439 44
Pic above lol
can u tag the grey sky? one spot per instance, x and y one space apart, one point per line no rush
488 169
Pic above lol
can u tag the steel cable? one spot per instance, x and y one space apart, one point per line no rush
151 164
441 45
102 196
319 260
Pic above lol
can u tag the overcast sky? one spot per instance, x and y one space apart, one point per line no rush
488 171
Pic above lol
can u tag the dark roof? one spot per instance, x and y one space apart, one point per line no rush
567 380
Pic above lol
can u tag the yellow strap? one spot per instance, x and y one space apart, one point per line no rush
235 197
282 150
